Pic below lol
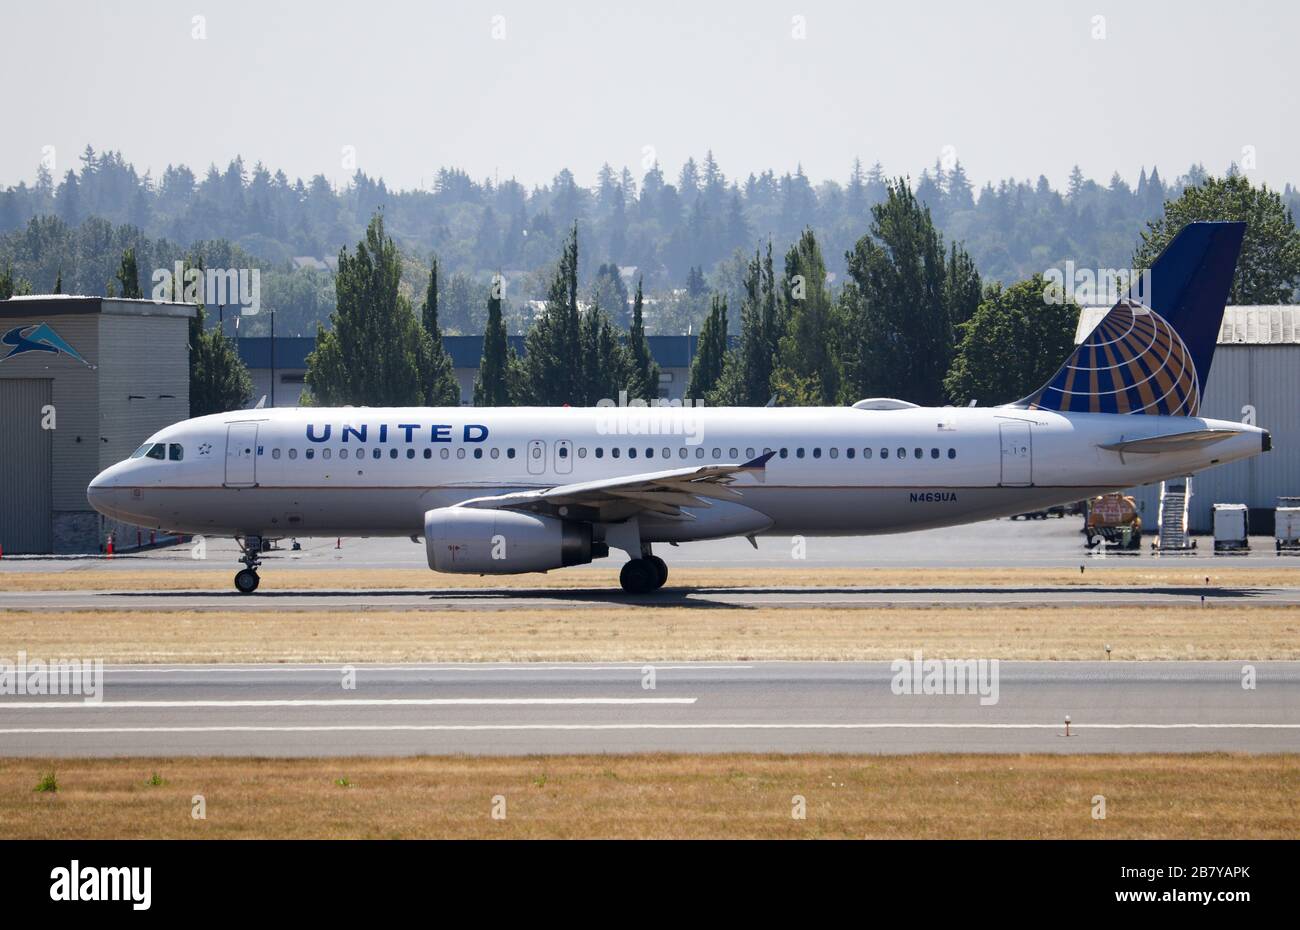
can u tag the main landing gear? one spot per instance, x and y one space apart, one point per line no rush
643 575
246 579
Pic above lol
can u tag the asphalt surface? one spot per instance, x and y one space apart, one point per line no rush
487 599
1051 543
280 710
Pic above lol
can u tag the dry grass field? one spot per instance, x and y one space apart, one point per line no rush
658 634
1115 571
668 796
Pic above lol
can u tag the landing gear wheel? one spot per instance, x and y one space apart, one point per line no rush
246 581
638 576
661 567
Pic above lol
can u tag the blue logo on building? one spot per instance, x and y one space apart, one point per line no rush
38 337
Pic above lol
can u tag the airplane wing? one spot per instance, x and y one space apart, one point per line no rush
608 500
1173 442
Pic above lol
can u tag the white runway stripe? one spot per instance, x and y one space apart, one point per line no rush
361 667
336 702
382 728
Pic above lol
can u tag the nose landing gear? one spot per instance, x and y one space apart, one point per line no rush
246 579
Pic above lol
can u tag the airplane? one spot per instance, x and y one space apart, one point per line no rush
533 489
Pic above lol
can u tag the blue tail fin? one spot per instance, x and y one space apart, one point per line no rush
1151 353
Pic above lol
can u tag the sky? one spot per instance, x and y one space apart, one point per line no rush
522 89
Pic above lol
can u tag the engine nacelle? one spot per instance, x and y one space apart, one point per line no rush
502 542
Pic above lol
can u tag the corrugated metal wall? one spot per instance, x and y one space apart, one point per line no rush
144 380
1266 377
26 467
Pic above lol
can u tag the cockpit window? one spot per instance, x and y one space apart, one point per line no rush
139 453
157 451
175 452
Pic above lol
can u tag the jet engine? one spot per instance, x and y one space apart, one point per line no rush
503 542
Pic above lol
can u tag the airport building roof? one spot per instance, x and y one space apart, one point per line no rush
1277 324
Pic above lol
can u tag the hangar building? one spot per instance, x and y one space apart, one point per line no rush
83 382
1255 378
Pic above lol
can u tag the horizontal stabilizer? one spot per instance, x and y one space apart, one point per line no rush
1173 442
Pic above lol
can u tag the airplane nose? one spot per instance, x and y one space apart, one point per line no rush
100 493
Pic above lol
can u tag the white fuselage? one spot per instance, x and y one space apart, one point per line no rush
837 471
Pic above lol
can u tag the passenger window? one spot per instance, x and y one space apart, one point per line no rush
460 453
631 453
866 453
310 453
934 453
717 453
428 453
917 453
835 453
749 454
682 453
582 452
785 453
496 453
478 453
733 454
325 453
157 451
445 453
564 452
600 452
699 452
343 453
667 452
884 453
376 453
275 453
817 452
537 452
410 453
174 452
293 453
510 453
902 453
850 452
952 453
798 453
614 452
650 452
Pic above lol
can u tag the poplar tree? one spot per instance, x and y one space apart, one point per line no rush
552 365
437 374
128 276
710 354
643 371
371 353
492 384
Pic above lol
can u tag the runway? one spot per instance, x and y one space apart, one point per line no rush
351 600
283 710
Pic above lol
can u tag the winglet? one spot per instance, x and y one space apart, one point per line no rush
758 465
